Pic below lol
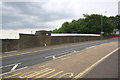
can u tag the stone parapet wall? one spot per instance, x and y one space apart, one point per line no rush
42 38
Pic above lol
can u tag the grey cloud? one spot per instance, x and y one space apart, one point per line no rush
8 19
37 9
22 11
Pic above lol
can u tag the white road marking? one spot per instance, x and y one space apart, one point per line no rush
48 56
95 64
14 70
68 54
75 51
9 65
90 47
14 67
53 57
65 55
57 54
72 52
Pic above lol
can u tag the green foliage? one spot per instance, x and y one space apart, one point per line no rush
116 21
55 31
91 24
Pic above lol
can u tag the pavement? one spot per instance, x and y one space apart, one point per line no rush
96 60
106 69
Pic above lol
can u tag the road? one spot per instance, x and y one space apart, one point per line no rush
74 59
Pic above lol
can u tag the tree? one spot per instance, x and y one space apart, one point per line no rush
116 21
91 24
55 31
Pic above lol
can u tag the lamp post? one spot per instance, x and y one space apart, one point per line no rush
102 32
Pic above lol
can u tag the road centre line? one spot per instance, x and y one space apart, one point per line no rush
48 56
80 75
69 52
64 55
57 54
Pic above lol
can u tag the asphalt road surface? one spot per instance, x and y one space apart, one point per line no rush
101 49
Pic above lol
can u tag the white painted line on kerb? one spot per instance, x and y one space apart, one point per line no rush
9 65
90 47
14 70
80 75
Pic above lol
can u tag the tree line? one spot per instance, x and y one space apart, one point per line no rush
91 24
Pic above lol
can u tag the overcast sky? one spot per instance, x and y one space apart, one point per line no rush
50 14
